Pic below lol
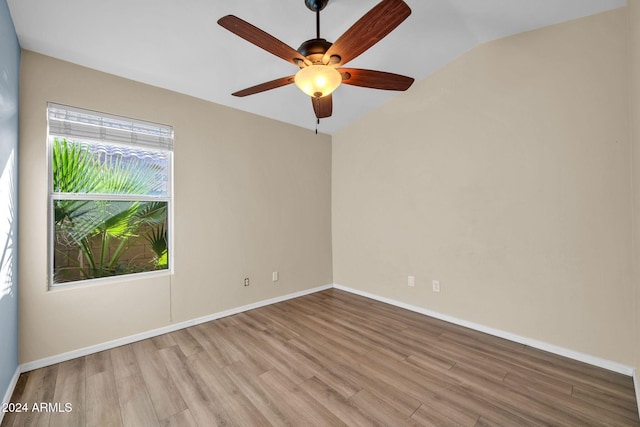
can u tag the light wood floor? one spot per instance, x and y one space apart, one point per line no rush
326 359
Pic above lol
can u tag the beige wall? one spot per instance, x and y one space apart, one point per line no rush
505 176
634 50
252 196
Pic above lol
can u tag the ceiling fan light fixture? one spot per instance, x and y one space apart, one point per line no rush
318 80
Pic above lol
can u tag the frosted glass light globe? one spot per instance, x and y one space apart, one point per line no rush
318 80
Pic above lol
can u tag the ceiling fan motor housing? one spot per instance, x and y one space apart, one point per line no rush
316 5
314 50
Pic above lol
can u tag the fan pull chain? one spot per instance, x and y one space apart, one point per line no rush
317 105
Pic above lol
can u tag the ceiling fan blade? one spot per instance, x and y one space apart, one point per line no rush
261 39
369 30
323 107
375 79
283 81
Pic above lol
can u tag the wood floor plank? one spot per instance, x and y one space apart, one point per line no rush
378 339
258 393
123 362
163 341
537 360
467 372
574 408
583 372
338 335
472 402
98 362
430 361
418 383
491 362
346 364
39 388
187 343
607 401
423 334
379 410
70 389
164 395
181 419
323 372
328 358
279 326
240 409
343 408
103 406
212 338
540 408
429 416
135 404
199 399
386 311
245 344
276 352
299 407
537 380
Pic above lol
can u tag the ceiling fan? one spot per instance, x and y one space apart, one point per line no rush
321 62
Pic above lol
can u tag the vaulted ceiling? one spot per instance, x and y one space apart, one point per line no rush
177 45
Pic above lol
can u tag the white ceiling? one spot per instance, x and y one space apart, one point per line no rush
177 44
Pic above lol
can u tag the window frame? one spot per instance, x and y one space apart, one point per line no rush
52 196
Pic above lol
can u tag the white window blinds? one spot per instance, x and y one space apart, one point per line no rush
77 123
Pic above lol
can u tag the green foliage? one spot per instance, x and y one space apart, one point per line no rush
103 230
157 238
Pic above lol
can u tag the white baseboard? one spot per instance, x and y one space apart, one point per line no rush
582 357
635 387
9 392
52 360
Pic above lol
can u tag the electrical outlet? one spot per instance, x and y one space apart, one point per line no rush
246 281
275 276
411 281
436 286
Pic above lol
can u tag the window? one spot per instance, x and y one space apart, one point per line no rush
110 195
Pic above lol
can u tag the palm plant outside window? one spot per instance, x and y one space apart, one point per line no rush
110 195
